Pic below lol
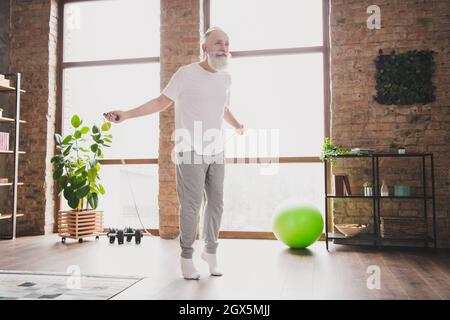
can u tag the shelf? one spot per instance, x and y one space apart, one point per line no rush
9 216
9 89
408 197
364 236
11 152
404 155
350 197
10 184
407 239
5 87
377 197
3 119
381 155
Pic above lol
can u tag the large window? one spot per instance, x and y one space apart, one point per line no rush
279 80
110 60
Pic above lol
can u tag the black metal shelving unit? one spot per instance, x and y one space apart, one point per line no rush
15 152
376 198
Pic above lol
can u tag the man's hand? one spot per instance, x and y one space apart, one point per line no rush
116 116
240 130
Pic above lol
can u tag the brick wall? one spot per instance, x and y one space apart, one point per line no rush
357 120
33 53
180 44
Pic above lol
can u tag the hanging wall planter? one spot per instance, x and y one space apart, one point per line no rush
405 78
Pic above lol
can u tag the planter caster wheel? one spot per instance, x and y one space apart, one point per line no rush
80 240
97 237
63 240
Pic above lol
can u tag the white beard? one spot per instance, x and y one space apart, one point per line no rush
217 61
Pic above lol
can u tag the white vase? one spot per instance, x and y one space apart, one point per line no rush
384 189
368 191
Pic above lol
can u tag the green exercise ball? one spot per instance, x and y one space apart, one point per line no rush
298 226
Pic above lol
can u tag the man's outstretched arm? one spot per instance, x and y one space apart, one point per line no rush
155 105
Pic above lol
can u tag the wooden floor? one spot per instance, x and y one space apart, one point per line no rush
253 269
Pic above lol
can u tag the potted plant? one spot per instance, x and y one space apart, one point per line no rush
397 148
368 189
77 169
330 151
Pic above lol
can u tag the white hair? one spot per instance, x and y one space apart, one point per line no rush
208 33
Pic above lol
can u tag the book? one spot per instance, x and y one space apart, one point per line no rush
339 185
342 185
348 191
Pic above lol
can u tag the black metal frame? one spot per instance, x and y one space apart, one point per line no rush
376 197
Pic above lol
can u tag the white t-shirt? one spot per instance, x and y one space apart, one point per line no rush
200 98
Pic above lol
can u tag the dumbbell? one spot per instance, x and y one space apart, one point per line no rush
115 233
129 233
121 234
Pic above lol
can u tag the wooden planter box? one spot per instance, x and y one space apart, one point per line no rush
403 228
79 224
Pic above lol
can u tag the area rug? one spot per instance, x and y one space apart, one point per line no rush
23 285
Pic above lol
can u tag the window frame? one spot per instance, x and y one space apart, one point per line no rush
61 66
325 50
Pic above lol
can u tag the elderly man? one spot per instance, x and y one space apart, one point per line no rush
201 93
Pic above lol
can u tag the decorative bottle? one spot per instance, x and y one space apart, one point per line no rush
384 189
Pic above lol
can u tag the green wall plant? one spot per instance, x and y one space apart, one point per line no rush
405 78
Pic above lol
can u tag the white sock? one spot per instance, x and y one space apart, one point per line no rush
211 259
188 269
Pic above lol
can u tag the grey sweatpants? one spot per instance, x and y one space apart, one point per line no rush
201 175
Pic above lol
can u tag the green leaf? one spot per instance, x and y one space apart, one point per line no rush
95 129
93 200
83 168
73 201
67 151
83 191
84 149
84 130
77 134
94 147
92 174
63 182
77 182
67 139
76 122
58 138
67 193
57 174
106 126
101 189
